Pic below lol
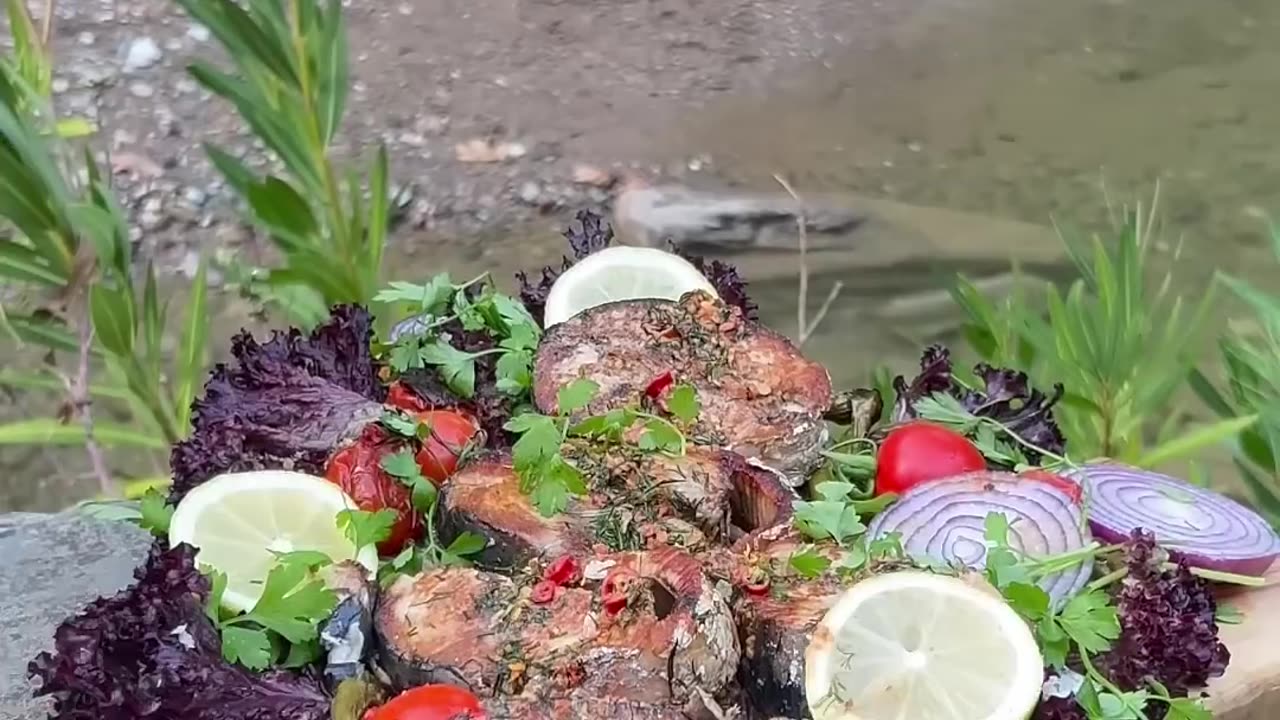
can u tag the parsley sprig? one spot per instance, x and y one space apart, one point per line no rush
425 498
1085 626
438 308
995 440
282 629
549 479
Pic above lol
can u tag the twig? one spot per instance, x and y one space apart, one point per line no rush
46 32
804 329
81 402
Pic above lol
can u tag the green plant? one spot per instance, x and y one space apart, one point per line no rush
1252 360
1121 348
290 88
72 288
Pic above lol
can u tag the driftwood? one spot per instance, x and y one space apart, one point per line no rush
1250 690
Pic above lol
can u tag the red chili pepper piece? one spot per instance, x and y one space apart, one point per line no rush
563 571
757 584
543 592
613 591
660 385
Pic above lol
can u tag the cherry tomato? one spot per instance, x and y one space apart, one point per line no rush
1066 485
401 396
919 452
450 432
357 469
660 385
430 702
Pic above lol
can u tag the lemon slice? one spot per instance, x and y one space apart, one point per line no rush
621 273
239 521
917 646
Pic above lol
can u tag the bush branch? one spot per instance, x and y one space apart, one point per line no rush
805 329
81 401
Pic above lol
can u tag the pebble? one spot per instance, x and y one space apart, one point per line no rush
195 197
141 89
85 38
143 53
60 85
530 191
199 33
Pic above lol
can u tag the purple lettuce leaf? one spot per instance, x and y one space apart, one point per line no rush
593 234
151 653
1005 396
286 403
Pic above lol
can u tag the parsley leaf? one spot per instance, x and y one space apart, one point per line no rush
834 517
457 368
683 403
400 423
1091 621
293 601
404 467
662 436
155 513
1187 709
576 395
514 371
809 563
540 439
364 528
251 647
467 543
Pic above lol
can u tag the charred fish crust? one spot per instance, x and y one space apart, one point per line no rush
774 629
758 499
485 497
759 396
687 633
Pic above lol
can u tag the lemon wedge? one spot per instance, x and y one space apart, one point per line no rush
621 273
239 522
918 646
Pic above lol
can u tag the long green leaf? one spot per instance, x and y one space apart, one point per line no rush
33 62
113 319
283 210
236 173
23 264
336 75
191 355
48 431
379 212
42 331
1196 440
241 36
1209 394
34 381
99 227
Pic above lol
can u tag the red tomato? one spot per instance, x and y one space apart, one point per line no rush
430 702
1066 485
451 431
919 452
358 471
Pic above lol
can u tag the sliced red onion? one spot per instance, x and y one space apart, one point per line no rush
1204 528
945 520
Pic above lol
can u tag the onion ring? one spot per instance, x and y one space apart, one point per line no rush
1203 528
946 520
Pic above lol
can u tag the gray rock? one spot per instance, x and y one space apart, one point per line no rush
51 566
142 53
141 89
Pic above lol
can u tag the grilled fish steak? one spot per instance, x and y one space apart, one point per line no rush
483 631
759 396
774 627
647 500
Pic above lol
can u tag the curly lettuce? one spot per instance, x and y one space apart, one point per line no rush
151 653
286 403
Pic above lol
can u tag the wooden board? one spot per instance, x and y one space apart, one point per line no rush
1250 689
